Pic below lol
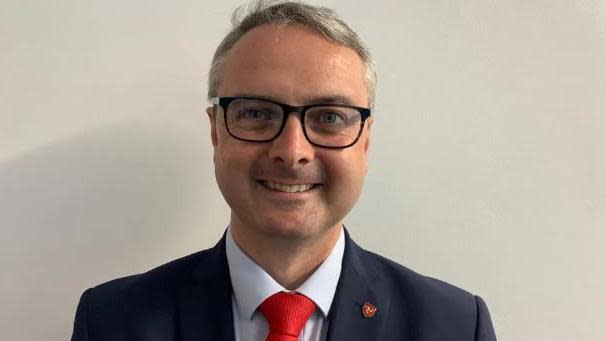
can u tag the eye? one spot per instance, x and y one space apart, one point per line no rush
253 115
330 117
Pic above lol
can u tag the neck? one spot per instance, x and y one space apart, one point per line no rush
289 261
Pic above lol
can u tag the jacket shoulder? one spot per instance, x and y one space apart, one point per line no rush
106 311
407 279
164 277
429 304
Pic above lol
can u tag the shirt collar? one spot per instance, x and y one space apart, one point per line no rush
252 285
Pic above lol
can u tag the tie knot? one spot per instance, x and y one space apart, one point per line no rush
286 314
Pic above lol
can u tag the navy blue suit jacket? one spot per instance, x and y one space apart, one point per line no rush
190 299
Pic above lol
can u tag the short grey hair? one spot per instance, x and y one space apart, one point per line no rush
319 19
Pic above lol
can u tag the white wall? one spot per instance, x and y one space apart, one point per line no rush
488 167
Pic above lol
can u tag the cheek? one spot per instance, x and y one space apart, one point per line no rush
225 164
232 174
229 162
346 175
234 161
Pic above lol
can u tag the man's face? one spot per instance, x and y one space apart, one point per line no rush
296 66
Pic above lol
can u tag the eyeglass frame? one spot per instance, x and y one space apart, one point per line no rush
301 110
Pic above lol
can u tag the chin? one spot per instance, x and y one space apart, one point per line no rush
295 229
289 231
287 228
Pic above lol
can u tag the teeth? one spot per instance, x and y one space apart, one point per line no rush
288 188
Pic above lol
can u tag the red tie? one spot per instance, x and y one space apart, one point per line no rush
286 314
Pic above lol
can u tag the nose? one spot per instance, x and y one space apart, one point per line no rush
291 147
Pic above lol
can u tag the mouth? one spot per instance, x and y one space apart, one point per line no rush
288 188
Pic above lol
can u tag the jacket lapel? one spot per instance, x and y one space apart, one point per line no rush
358 285
205 304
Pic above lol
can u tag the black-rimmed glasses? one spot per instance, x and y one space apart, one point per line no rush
260 120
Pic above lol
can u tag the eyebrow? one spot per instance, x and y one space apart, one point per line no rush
330 99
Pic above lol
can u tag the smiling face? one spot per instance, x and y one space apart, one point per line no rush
288 188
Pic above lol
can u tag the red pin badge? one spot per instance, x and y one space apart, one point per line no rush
368 310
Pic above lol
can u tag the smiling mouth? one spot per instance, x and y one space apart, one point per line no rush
298 188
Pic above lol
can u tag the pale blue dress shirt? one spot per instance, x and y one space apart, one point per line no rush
252 285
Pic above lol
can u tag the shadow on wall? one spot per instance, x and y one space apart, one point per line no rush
81 211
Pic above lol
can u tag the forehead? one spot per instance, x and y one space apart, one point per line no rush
294 64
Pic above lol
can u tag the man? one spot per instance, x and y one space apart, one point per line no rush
290 88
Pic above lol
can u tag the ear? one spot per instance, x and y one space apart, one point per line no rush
210 111
367 127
